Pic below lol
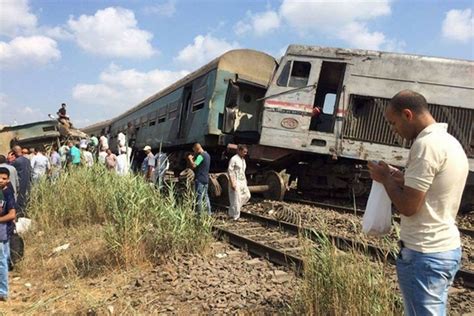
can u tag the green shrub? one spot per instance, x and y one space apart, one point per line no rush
139 223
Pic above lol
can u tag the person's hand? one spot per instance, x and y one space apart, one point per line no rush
379 171
397 175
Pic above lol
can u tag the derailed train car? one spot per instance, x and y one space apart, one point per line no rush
318 115
325 108
42 133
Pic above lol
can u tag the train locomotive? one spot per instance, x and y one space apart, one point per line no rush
317 115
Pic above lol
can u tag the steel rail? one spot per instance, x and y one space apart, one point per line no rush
358 212
311 233
258 249
281 258
466 276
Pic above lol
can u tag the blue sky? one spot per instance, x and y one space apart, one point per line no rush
103 57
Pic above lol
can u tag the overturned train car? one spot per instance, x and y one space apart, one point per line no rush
42 133
318 115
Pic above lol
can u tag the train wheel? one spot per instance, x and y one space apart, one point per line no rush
215 189
276 186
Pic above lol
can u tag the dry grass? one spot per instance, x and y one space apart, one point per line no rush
115 228
82 277
138 223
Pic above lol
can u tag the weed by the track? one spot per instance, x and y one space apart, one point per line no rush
340 283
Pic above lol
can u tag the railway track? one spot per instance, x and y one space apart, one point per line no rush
357 211
278 242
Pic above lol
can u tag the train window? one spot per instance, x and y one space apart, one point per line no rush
283 79
172 114
329 103
299 74
198 106
162 118
152 123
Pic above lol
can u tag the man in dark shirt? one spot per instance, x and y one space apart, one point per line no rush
200 163
63 118
23 167
7 217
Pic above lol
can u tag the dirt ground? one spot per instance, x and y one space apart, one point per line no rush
222 281
80 278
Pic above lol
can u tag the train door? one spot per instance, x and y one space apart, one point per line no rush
328 94
185 108
243 111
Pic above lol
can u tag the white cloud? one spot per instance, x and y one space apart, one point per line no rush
358 35
112 32
13 113
28 50
203 50
120 89
57 32
15 17
458 25
259 23
345 19
166 9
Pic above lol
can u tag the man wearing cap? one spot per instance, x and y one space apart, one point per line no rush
148 166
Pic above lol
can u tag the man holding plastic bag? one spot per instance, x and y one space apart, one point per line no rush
427 197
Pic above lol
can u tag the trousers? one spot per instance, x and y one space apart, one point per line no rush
424 280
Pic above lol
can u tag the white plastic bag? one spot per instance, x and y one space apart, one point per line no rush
22 225
377 218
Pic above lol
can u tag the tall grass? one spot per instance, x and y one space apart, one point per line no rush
338 283
139 223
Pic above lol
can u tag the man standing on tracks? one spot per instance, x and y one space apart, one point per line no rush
239 193
427 196
200 163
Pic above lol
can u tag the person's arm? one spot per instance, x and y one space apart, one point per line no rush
10 216
10 207
193 163
407 200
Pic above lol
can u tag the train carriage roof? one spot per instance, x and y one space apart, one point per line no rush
250 65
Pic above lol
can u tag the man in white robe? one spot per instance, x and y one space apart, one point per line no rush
239 193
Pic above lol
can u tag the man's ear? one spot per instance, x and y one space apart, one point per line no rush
407 114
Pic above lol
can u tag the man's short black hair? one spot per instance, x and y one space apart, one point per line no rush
411 100
242 147
3 159
4 170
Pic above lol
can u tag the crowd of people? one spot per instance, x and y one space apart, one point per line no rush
425 194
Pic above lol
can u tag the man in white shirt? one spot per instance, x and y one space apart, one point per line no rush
122 162
39 165
427 196
88 158
104 143
101 157
239 193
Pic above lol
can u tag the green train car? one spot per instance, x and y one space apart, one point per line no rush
201 107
